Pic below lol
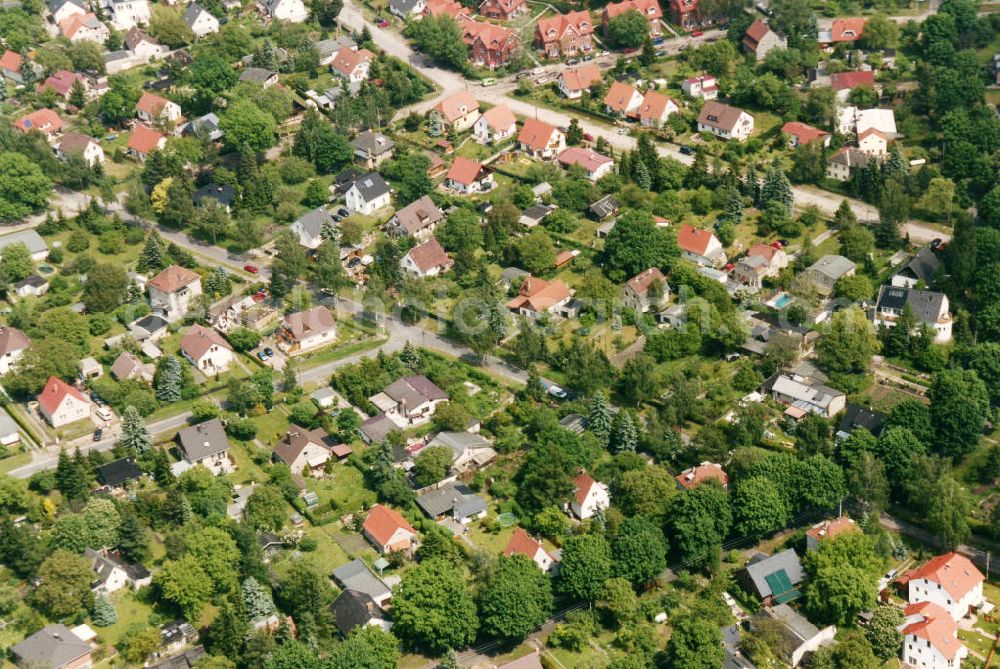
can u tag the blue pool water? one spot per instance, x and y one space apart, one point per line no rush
782 301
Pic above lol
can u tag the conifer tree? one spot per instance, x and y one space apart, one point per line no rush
734 207
103 614
71 475
895 166
169 379
27 72
135 437
152 257
257 600
599 420
624 435
409 356
132 539
777 188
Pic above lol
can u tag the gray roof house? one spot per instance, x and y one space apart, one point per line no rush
309 227
825 272
355 575
920 269
328 48
186 660
205 126
357 609
929 308
775 577
471 450
52 647
454 500
112 573
407 8
224 194
605 207
371 149
417 219
368 193
797 637
205 443
804 394
259 75
149 327
375 429
31 239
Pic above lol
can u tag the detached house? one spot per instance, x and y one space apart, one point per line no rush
929 308
537 297
44 121
760 262
725 122
467 176
417 219
951 581
685 13
13 342
565 35
260 76
129 366
371 149
760 40
60 10
405 9
10 64
328 48
573 82
873 143
142 45
594 164
151 108
144 141
53 647
452 500
388 531
173 291
207 350
930 638
703 86
846 30
845 162
84 28
692 477
495 125
410 400
368 194
700 246
589 497
540 140
655 109
61 82
827 530
61 404
457 112
804 394
353 65
490 45
293 11
471 451
204 444
304 450
309 227
309 330
645 291
503 10
799 134
920 269
200 20
522 543
622 99
112 573
649 9
826 271
128 13
75 143
426 260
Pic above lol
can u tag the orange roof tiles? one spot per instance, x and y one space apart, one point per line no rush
536 134
581 78
619 96
842 81
55 392
382 522
173 278
829 529
456 106
465 170
955 572
151 103
584 482
429 255
803 132
539 295
935 626
694 240
499 117
44 120
198 340
144 140
694 476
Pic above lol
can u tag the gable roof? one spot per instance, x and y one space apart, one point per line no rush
761 567
460 442
841 81
74 142
653 106
414 390
143 139
581 78
828 529
539 295
290 447
382 522
465 170
692 477
555 27
456 106
524 544
927 305
198 340
953 571
694 240
619 96
117 472
833 266
452 498
922 266
355 575
428 255
848 29
718 115
173 278
60 81
312 221
52 646
44 120
203 440
418 215
135 36
641 282
373 143
377 428
648 8
151 104
371 186
71 25
11 61
803 132
932 623
347 59
755 32
257 75
55 392
536 134
312 321
192 13
125 365
12 339
588 159
353 608
499 117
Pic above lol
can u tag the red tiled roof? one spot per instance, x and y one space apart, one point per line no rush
444 7
581 78
555 27
765 251
694 240
641 282
456 106
61 82
583 484
70 25
844 80
847 30
535 134
588 159
465 170
829 529
692 477
873 131
756 32
539 295
305 323
522 543
10 61
499 117
429 255
55 392
648 8
173 278
151 103
803 132
144 140
653 106
44 120
382 522
492 35
955 572
199 339
619 96
935 626
347 59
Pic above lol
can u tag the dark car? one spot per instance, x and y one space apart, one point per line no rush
98 434
935 243
573 61
268 351
343 212
687 150
522 75
588 57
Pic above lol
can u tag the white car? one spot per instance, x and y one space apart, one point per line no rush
105 413
622 131
537 71
542 80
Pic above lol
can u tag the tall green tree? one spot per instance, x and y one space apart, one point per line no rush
639 551
959 407
517 600
585 566
433 608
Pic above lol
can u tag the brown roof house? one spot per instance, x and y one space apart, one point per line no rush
495 125
410 400
207 350
52 647
61 404
646 290
759 39
700 246
12 345
573 82
86 146
468 176
426 259
129 366
725 122
457 112
622 99
388 531
417 219
589 497
305 331
565 35
538 296
173 291
144 141
304 451
540 140
152 107
692 477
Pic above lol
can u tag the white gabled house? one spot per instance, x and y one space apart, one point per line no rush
522 543
207 350
589 497
61 404
368 194
930 638
725 122
951 581
200 20
495 125
292 11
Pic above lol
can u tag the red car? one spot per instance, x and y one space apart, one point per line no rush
384 23
697 33
588 137
250 268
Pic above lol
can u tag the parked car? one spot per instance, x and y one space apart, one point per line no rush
537 70
573 61
686 150
522 75
588 57
268 351
489 81
622 131
542 80
557 392
250 268
384 23
343 212
98 434
587 137
697 33
105 413
262 356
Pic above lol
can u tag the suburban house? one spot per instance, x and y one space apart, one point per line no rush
685 13
457 112
11 61
472 451
355 575
535 214
920 270
800 134
144 141
829 269
589 497
353 65
522 543
309 227
490 45
368 194
856 416
207 350
929 308
775 578
842 30
700 246
760 262
622 99
503 10
692 477
873 143
129 366
75 143
200 20
37 247
53 647
205 444
452 500
61 82
655 109
44 121
405 9
142 45
845 162
417 219
703 86
127 13
646 290
930 638
804 394
374 430
829 529
724 121
388 531
150 327
118 473
426 259
537 296
13 342
851 120
650 9
261 76
84 28
152 107
759 40
371 149
304 451
951 581
843 82
113 573
292 11
565 35
467 176
309 330
353 609
61 404
60 10
450 8
410 400
224 195
328 48
795 637
591 162
173 291
495 125
540 140
574 81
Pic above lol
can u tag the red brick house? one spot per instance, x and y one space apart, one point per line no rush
489 45
648 8
685 13
504 10
565 34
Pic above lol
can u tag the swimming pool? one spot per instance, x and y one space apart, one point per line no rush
782 301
